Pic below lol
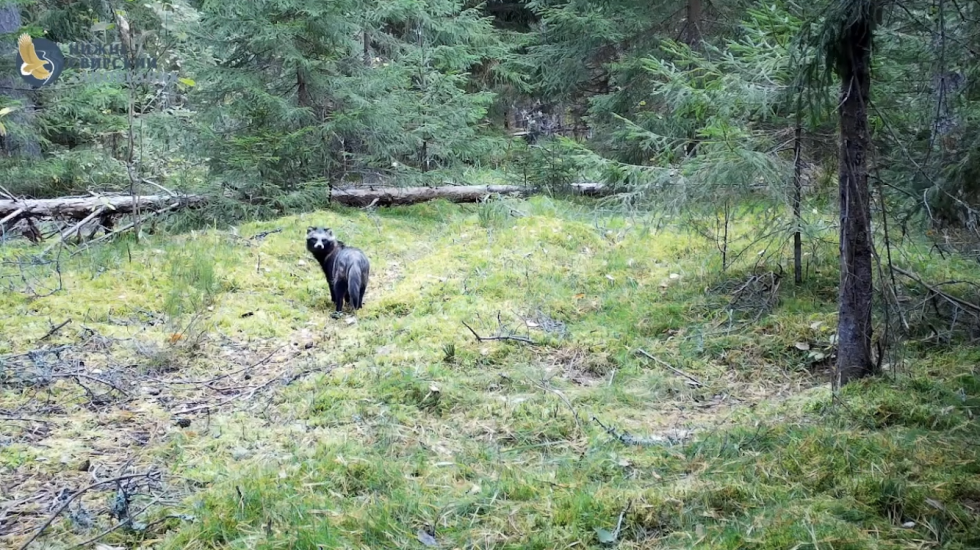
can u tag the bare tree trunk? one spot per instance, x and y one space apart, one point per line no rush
302 93
856 291
9 17
693 22
367 48
798 197
692 36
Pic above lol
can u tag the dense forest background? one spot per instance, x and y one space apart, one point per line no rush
674 101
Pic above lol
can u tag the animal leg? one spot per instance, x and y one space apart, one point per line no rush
340 291
333 293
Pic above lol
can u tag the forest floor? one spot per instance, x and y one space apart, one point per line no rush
613 386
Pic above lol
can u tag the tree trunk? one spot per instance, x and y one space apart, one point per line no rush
856 291
9 17
798 197
693 23
692 36
14 89
367 48
302 93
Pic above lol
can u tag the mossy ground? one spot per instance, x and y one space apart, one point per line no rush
358 432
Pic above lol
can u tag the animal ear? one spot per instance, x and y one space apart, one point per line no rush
310 229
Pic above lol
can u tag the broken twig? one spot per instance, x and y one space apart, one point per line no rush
675 370
53 330
499 337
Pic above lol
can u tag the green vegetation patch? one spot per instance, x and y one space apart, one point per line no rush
398 426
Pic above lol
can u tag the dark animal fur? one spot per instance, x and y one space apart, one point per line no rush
347 268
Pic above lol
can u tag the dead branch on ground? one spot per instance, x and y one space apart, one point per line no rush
53 330
98 211
64 505
672 438
264 234
38 371
690 379
500 334
251 390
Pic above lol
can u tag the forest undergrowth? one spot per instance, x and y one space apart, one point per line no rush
523 375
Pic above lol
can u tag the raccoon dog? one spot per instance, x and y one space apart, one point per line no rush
347 268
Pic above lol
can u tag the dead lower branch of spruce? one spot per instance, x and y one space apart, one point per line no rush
968 307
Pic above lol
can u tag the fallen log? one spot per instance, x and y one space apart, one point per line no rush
400 196
80 208
591 189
